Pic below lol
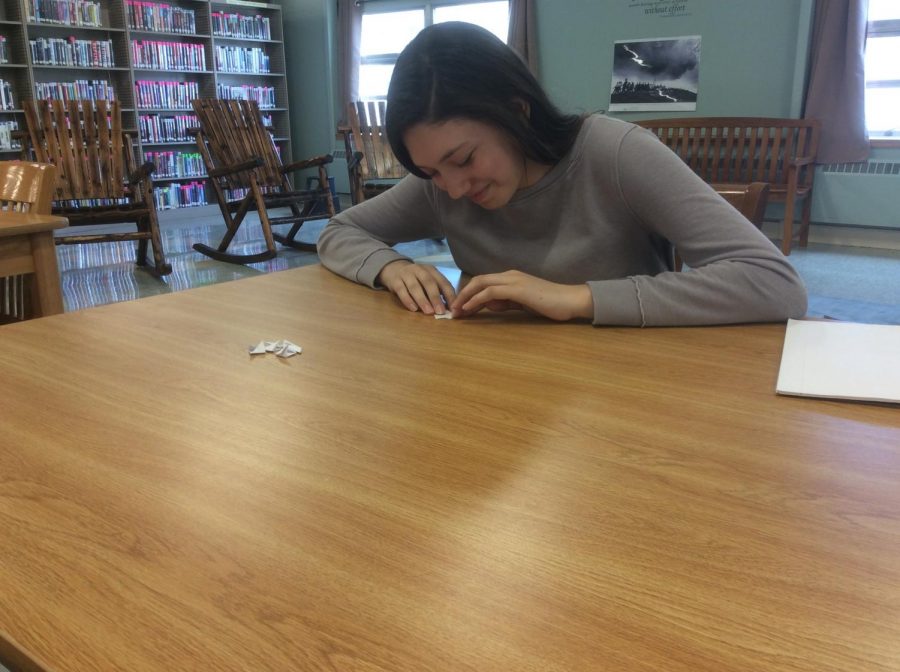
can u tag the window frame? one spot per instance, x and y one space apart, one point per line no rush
389 6
883 28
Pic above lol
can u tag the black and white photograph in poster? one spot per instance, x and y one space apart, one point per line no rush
655 74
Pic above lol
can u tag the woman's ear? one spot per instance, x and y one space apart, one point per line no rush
524 106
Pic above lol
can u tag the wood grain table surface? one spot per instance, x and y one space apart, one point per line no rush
499 493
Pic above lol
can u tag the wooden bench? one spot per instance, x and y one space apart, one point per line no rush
741 150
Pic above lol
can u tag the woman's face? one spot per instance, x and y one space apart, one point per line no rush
472 159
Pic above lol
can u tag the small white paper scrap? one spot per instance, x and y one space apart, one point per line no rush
281 348
444 316
287 349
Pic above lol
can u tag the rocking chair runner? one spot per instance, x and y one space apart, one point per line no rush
98 180
240 154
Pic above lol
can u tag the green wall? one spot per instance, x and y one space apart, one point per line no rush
748 51
309 38
753 56
753 62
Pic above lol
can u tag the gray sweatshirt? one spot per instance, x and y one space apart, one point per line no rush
601 216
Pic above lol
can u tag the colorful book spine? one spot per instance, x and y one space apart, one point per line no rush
263 95
160 17
80 89
185 56
151 94
177 195
166 128
72 52
176 164
226 24
65 12
242 59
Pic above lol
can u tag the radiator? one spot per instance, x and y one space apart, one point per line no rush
858 194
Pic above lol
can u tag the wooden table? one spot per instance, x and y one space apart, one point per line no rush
26 246
409 494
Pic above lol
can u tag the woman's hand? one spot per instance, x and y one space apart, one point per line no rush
515 290
418 286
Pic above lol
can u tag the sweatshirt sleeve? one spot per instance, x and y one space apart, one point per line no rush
735 273
358 242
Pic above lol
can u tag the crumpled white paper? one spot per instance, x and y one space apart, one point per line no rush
279 348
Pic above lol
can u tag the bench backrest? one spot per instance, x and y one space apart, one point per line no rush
742 149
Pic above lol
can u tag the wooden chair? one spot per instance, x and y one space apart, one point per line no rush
748 199
98 181
27 187
371 164
24 187
741 150
242 160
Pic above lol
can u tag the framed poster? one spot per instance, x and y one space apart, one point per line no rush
655 74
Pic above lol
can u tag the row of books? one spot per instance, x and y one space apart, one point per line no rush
263 95
168 55
240 25
159 128
80 89
242 59
160 16
72 52
6 96
6 139
176 164
170 95
65 12
177 195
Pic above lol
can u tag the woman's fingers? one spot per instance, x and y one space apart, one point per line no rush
514 289
421 287
418 286
445 293
494 291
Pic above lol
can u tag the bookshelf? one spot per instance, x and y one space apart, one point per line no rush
154 56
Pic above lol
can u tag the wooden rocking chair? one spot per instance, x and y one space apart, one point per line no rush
241 156
371 163
98 181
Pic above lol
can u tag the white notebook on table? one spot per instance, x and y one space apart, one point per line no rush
842 360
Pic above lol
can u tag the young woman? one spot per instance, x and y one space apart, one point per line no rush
562 215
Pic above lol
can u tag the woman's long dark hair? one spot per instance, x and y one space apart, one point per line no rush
459 70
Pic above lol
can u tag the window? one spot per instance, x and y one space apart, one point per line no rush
883 69
389 26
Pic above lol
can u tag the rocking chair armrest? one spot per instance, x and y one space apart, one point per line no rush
308 163
249 164
354 161
144 172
